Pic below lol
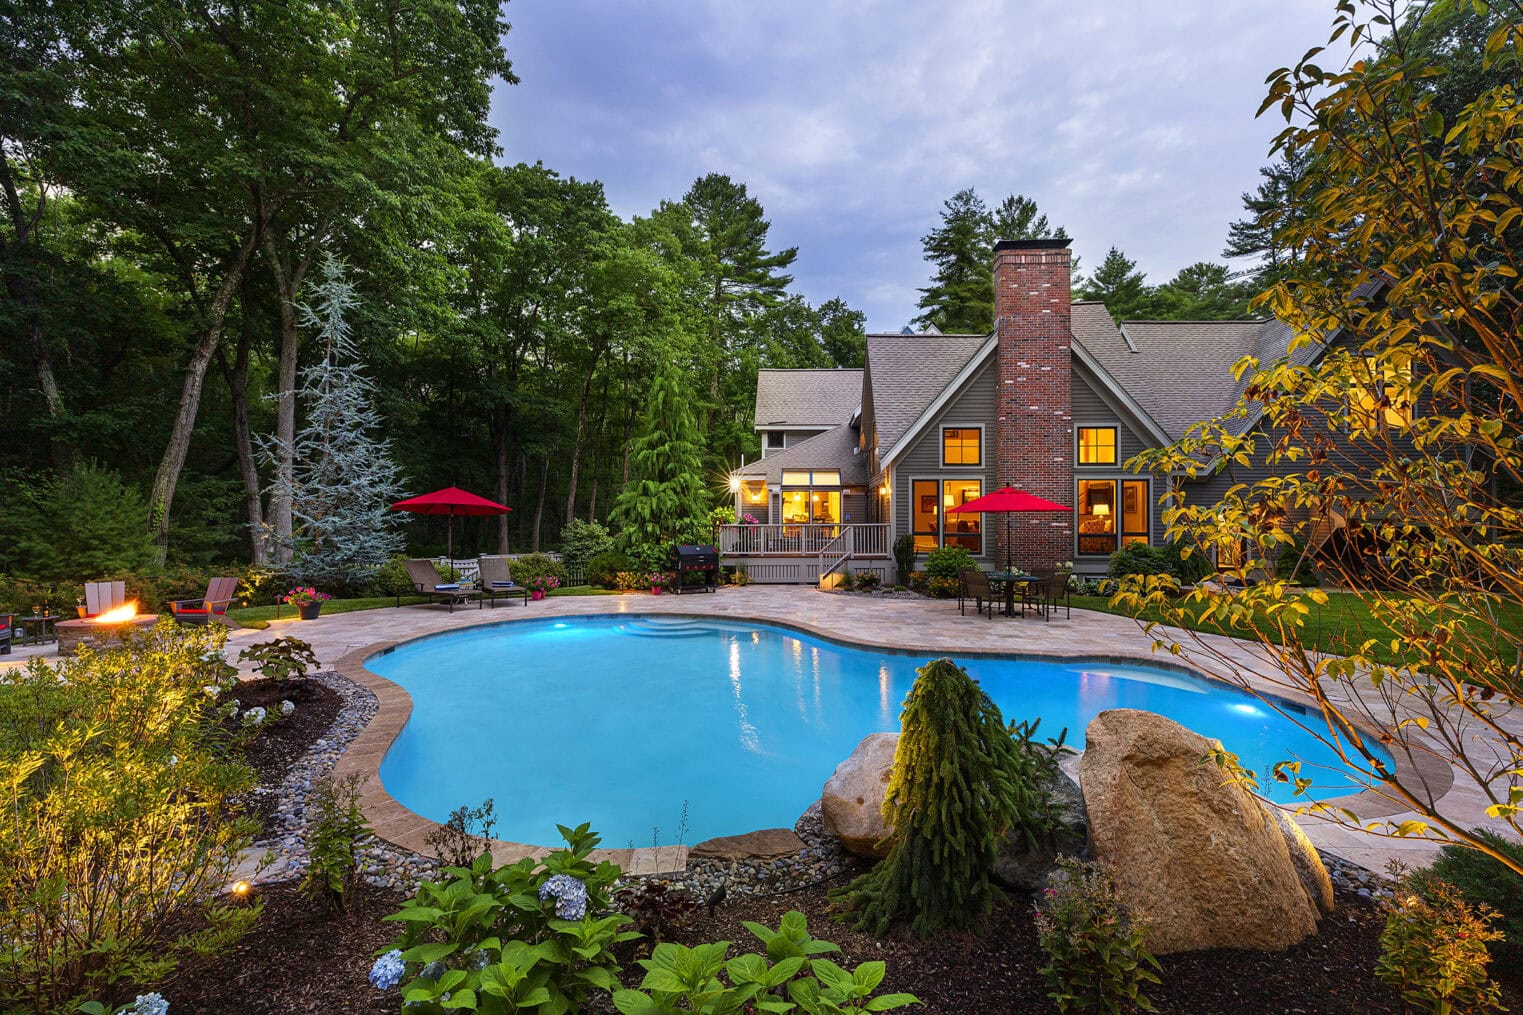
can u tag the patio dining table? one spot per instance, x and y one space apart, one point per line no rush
1010 579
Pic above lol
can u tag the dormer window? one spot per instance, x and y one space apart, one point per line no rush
774 439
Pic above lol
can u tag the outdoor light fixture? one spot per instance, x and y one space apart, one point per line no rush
241 891
883 489
734 483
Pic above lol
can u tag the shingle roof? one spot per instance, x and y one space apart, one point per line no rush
833 449
909 372
806 397
1179 372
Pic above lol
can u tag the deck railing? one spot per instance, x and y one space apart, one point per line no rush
867 539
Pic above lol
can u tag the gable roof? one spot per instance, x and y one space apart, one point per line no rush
909 373
806 397
1179 373
833 449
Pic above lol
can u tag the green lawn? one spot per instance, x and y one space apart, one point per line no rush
259 617
1338 627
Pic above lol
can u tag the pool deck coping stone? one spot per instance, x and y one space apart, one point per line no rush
394 822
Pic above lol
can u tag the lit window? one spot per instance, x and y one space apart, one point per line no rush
1386 394
795 478
1103 523
962 446
926 524
831 478
930 523
1097 445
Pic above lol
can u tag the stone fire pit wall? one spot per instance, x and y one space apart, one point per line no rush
74 633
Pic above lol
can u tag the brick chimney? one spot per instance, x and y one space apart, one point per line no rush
1034 402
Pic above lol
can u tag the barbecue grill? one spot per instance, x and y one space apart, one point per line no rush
702 560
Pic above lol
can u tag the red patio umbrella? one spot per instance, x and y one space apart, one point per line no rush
451 501
1007 500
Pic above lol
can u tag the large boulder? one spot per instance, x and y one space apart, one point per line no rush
1315 879
1198 858
852 803
1023 866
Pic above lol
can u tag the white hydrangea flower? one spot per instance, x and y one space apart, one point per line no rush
211 690
287 707
254 715
149 1004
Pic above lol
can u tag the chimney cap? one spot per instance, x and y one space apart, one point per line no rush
1053 243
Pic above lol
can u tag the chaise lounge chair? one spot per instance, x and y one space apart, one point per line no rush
496 579
219 593
426 581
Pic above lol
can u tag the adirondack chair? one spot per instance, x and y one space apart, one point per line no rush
7 632
103 596
219 593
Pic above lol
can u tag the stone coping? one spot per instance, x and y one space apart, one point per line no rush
403 827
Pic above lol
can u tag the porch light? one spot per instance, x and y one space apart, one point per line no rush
734 483
883 489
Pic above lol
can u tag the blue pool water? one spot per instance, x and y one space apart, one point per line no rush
622 720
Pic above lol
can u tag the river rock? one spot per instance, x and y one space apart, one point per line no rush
1027 867
1196 858
852 803
767 844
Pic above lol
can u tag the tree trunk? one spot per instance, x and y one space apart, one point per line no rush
161 499
23 289
539 505
580 441
237 376
500 417
288 280
599 447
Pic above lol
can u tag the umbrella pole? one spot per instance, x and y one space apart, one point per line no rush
1007 542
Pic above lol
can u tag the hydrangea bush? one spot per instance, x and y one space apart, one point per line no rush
529 935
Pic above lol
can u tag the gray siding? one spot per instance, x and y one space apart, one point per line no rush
972 405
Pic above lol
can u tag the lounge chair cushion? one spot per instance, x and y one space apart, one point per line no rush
503 585
450 587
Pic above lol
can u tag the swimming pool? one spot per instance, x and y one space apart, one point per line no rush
633 721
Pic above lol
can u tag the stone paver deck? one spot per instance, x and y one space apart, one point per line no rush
935 627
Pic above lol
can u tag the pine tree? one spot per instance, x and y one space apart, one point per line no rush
666 483
1262 234
1204 291
1017 218
343 480
1120 286
956 789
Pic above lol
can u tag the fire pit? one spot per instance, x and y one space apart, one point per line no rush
101 631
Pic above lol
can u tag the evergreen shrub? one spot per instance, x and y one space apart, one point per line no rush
1483 880
581 542
948 561
1139 558
960 784
536 565
84 521
603 570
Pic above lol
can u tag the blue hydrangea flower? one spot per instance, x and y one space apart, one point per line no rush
479 960
433 970
150 1004
570 896
388 970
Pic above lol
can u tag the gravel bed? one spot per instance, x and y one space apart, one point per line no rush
879 594
821 860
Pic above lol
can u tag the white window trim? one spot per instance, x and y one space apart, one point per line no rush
941 514
941 440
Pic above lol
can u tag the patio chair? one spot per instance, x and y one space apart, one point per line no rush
7 632
426 581
496 579
1054 590
103 596
975 585
219 593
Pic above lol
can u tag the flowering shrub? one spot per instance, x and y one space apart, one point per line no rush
749 519
1434 947
529 935
787 978
122 822
938 587
304 595
544 583
282 658
254 716
658 579
143 1004
1095 957
867 581
628 581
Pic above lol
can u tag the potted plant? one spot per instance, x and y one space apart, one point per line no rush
657 581
307 600
541 584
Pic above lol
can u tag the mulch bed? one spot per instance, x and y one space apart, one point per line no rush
284 741
304 957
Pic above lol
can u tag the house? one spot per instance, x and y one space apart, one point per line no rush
1054 402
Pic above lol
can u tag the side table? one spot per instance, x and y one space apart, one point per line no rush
44 629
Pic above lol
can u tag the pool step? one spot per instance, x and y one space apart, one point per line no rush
674 627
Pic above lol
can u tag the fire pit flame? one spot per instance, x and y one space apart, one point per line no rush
120 615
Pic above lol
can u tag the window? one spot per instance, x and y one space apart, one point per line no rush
791 478
753 493
1386 394
1097 445
962 445
774 438
930 523
819 507
1106 522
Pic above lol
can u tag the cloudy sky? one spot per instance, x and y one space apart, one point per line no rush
1131 124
